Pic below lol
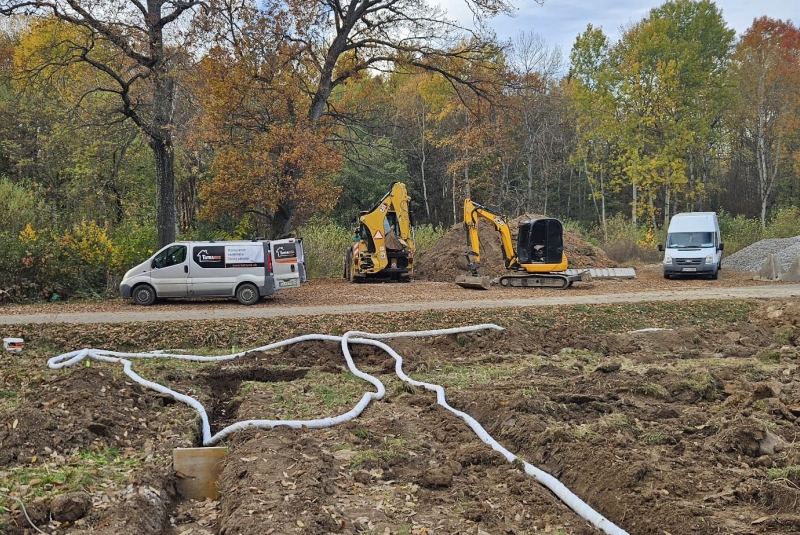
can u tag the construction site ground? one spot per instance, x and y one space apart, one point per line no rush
667 417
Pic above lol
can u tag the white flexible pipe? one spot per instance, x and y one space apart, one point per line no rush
357 337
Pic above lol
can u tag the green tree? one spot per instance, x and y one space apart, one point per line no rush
671 91
595 111
648 109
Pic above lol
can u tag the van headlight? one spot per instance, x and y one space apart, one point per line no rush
710 259
667 260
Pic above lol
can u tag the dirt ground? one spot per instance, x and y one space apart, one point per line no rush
674 431
690 428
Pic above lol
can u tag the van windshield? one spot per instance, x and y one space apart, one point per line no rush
690 239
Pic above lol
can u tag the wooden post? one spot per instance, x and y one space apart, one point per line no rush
197 471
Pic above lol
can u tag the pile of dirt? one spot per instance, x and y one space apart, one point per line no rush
447 259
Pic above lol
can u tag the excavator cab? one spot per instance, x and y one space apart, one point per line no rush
540 241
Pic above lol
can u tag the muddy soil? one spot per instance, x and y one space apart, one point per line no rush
675 431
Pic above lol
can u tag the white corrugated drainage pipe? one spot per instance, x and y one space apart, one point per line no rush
356 337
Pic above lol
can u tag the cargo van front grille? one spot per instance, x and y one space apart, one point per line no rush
688 261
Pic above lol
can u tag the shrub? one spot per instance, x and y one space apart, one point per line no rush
134 242
785 223
85 260
628 242
324 244
427 235
18 206
43 264
738 232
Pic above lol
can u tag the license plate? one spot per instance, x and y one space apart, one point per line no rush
689 269
288 283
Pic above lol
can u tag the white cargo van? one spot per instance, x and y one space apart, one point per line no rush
247 270
694 245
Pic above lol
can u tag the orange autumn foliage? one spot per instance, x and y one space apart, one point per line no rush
287 166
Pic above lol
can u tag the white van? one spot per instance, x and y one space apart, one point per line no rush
247 270
694 245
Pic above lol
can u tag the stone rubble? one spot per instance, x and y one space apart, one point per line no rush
752 257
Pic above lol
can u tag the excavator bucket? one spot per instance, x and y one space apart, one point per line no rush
473 283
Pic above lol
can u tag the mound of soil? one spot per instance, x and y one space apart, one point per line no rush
447 259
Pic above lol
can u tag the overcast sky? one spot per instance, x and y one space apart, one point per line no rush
559 22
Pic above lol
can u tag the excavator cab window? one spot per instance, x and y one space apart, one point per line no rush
540 240
390 223
523 241
366 238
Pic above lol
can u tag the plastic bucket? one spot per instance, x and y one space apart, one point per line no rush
13 344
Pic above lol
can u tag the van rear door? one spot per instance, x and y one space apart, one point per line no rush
288 262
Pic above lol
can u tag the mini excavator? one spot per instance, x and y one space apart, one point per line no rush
539 256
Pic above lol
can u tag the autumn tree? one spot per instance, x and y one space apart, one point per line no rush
65 154
146 42
767 74
536 67
412 113
309 49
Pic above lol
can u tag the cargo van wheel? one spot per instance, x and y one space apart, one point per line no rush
247 294
144 295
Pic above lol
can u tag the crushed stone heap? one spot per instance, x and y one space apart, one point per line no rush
446 259
752 257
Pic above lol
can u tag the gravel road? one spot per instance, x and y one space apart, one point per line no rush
336 296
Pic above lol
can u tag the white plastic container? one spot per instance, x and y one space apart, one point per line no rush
13 344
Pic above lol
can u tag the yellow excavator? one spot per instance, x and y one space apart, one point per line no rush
383 242
539 254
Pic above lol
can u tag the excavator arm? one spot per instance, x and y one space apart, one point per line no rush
473 211
390 219
383 246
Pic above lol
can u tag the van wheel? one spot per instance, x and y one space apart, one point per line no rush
247 294
714 276
144 295
667 276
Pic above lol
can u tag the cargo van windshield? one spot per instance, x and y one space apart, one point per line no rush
687 240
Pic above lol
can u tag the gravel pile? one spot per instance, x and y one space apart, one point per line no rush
752 257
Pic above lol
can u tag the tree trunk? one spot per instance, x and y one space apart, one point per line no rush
166 220
164 155
652 204
455 211
423 161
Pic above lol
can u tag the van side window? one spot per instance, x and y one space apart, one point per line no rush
170 257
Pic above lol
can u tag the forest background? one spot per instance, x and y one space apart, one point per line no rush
125 125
